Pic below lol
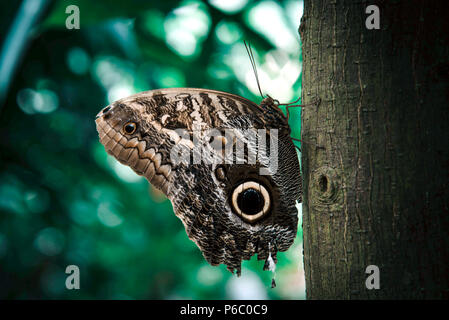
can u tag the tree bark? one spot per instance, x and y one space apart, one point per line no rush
375 153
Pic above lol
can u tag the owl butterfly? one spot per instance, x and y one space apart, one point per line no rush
228 166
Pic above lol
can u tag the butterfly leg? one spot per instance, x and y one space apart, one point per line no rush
316 102
302 141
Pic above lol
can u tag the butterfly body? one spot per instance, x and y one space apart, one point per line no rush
229 209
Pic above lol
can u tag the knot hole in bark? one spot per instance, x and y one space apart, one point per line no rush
322 182
326 192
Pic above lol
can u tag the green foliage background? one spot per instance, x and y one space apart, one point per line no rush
64 201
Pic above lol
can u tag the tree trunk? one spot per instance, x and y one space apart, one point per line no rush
375 152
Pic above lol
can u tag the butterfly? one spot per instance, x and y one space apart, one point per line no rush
228 166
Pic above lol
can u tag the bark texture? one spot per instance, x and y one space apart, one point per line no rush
375 153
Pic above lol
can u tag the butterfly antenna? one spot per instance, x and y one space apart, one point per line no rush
253 64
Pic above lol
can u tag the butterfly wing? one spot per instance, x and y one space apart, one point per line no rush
185 142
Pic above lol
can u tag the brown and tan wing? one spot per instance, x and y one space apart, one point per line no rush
142 130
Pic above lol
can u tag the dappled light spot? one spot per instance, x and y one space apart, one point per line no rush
182 41
50 241
110 71
11 195
228 32
116 76
37 101
153 20
229 6
78 60
186 27
36 200
135 235
294 10
279 33
237 59
168 77
278 72
83 212
119 91
281 73
123 172
208 275
246 287
10 200
122 31
107 216
291 283
219 72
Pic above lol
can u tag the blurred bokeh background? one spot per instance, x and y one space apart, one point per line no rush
64 201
